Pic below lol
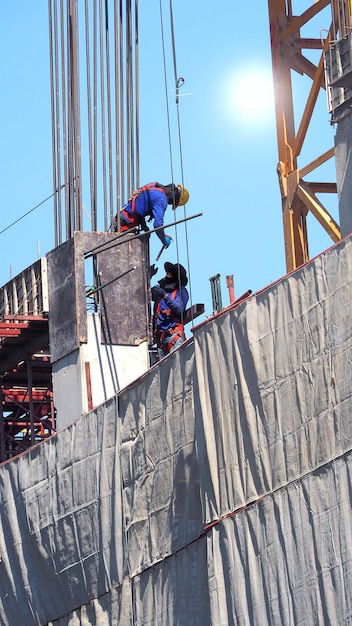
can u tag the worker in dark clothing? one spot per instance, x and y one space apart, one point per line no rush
170 298
151 201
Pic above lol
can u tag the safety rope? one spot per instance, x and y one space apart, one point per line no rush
178 83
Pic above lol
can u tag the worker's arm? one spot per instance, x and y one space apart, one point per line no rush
178 305
159 209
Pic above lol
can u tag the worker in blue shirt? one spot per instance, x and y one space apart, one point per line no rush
170 298
151 201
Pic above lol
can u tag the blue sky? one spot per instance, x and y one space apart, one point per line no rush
228 134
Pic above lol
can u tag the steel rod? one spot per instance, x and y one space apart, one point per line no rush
113 242
91 292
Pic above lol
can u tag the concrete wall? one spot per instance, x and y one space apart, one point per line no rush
93 373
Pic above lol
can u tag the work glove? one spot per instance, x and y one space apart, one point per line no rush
168 240
152 270
157 293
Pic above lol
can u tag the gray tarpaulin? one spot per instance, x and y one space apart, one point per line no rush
159 464
58 503
278 404
288 559
215 490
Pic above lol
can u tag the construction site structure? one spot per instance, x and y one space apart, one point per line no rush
87 305
304 190
212 487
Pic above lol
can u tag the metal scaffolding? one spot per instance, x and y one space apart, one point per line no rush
27 414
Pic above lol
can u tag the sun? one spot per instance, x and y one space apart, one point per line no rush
249 95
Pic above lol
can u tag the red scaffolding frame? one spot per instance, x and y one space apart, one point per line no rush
27 413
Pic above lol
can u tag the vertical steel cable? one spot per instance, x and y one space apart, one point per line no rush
64 113
70 151
168 112
77 183
102 109
58 134
116 110
108 95
173 48
90 138
113 159
129 104
56 185
137 179
178 83
168 115
132 103
121 114
95 107
72 119
166 89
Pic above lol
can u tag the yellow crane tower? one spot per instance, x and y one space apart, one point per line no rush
288 46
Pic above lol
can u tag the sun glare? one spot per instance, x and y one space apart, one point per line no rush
250 96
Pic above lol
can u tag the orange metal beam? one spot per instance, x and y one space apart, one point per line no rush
22 395
296 195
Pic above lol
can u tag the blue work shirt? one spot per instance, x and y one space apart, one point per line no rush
150 203
171 310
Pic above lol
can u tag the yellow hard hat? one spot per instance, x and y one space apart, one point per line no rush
184 195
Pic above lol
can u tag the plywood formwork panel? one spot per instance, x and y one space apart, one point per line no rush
119 274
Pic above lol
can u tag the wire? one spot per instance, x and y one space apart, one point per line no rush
184 207
166 89
179 82
25 214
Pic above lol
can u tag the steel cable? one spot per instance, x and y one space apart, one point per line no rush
52 32
178 83
77 182
90 130
166 88
108 95
102 100
137 174
121 111
116 110
112 166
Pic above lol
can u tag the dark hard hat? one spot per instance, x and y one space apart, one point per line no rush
177 272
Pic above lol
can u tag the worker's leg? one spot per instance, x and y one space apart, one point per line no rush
177 343
162 353
127 221
171 342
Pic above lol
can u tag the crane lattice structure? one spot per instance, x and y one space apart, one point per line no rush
299 196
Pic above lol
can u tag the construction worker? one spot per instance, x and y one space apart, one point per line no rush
170 298
151 201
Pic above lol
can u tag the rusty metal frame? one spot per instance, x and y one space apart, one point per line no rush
27 414
298 196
